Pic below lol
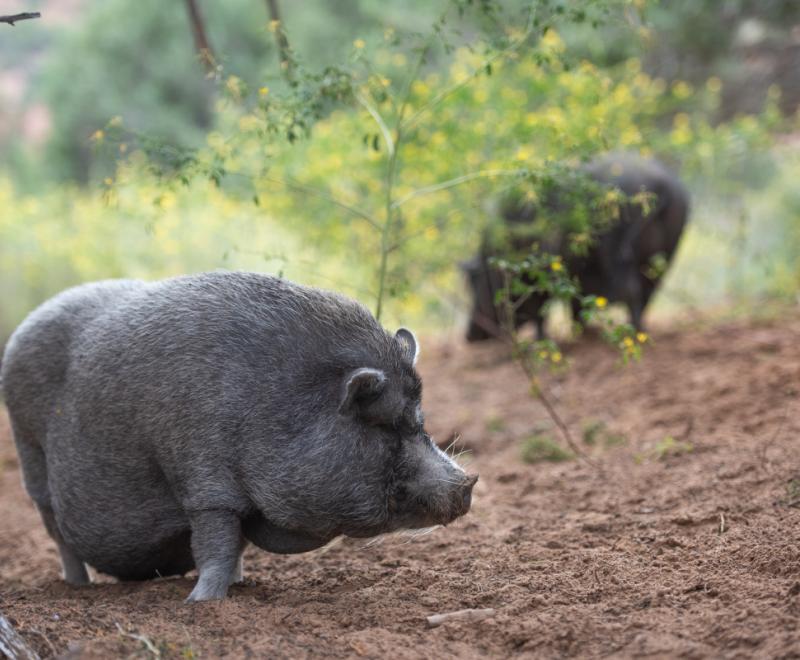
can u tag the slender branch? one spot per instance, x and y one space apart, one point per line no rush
387 134
457 181
391 175
20 17
315 192
284 51
452 89
523 360
388 224
200 39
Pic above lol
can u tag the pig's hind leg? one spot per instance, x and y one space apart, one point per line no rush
74 569
34 471
217 545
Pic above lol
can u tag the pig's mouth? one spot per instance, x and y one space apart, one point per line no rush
459 502
441 510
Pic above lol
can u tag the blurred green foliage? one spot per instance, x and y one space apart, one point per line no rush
228 190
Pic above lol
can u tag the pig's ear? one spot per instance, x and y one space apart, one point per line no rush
362 386
409 344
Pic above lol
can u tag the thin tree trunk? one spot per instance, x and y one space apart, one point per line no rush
284 52
200 39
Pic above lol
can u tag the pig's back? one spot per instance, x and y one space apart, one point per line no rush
38 354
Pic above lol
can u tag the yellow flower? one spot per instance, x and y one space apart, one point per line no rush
263 91
556 357
601 302
682 89
714 84
543 355
628 342
641 337
98 135
523 154
359 44
681 120
556 265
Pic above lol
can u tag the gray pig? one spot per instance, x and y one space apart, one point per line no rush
161 426
619 263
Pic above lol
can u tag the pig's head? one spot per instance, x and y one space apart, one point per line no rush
483 282
361 463
423 486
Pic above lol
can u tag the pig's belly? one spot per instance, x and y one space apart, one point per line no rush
262 533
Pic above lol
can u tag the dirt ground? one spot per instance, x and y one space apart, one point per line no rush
687 547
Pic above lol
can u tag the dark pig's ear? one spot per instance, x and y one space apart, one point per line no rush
362 387
409 344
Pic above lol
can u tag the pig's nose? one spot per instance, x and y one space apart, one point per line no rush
466 493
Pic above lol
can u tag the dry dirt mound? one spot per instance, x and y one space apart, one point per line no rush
684 542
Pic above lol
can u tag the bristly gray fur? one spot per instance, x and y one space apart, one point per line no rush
159 425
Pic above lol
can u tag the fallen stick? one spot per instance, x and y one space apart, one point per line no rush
12 645
469 616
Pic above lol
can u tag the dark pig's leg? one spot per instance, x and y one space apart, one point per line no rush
540 334
634 297
238 573
216 547
74 568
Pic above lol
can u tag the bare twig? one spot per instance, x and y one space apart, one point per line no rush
373 111
148 644
468 616
12 644
284 52
13 18
487 63
523 359
200 39
316 192
457 181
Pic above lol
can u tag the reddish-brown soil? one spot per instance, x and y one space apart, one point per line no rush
661 550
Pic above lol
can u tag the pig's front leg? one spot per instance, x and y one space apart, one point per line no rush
217 545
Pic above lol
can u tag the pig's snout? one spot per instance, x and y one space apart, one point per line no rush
462 498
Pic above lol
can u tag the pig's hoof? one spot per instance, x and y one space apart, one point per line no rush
203 592
200 598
